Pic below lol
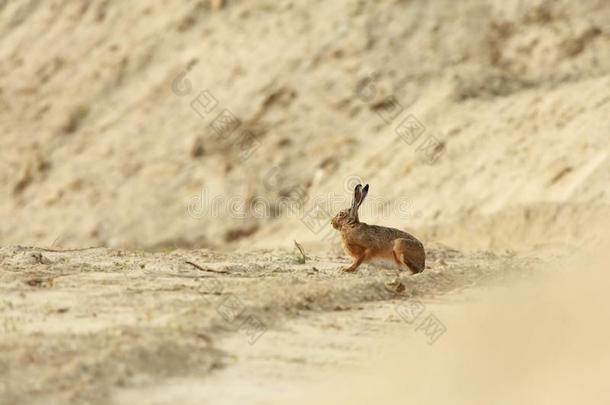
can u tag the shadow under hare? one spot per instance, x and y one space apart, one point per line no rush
364 242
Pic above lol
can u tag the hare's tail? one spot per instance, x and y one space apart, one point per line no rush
411 254
415 267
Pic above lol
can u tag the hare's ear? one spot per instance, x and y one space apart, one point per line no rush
365 191
357 197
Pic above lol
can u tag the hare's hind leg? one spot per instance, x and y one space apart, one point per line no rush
410 253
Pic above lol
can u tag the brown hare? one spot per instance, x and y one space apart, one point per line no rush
364 242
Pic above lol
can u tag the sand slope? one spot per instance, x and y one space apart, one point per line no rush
100 144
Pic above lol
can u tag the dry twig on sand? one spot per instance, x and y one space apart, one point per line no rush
303 257
69 250
198 267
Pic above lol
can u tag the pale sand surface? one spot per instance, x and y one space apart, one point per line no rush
104 324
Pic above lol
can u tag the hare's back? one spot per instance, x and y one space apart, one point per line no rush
379 237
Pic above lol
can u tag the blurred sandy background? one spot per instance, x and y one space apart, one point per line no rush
220 131
543 341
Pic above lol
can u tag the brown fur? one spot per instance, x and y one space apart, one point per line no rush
364 242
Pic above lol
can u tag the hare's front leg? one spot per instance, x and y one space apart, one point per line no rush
357 262
358 254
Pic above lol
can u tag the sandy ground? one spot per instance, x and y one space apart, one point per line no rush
112 326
